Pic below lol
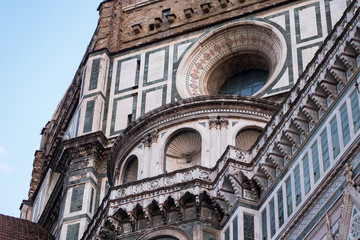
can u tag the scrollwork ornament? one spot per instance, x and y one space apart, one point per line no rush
139 188
170 180
122 192
204 175
187 176
155 183
239 155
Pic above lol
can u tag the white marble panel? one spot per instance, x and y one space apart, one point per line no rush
156 66
123 109
181 48
280 20
308 25
153 100
337 8
307 55
283 81
127 74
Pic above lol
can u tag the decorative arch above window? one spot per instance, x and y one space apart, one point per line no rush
241 58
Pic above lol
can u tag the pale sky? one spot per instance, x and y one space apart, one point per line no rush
41 45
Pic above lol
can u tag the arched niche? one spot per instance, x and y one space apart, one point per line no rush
246 137
182 150
246 55
130 170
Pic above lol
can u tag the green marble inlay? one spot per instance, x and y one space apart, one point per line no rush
319 34
202 124
77 198
94 74
89 115
73 231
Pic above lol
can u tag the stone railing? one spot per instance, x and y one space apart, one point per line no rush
126 193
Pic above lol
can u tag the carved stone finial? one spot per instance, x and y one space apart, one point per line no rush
328 228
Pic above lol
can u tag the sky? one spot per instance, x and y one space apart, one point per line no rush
41 45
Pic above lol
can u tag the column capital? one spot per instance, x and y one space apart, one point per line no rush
213 123
224 123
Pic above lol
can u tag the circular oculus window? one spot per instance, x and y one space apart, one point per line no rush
240 58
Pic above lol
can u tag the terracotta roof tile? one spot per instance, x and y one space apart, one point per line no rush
12 228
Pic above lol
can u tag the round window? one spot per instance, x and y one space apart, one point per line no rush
243 58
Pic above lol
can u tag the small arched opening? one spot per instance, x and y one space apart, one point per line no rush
130 172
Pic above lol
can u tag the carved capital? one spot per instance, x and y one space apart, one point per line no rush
150 138
146 141
224 123
213 123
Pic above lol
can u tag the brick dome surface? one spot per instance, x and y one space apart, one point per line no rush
16 228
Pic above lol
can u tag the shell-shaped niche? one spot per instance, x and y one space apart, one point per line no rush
131 170
246 138
183 150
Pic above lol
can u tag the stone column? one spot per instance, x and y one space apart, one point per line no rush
223 134
155 162
213 141
146 159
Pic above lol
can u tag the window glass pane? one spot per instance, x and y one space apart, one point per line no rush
89 114
235 228
325 150
264 225
94 74
355 110
297 185
272 218
345 124
306 174
335 138
77 198
73 232
107 186
289 197
280 207
91 200
227 234
315 160
245 83
249 233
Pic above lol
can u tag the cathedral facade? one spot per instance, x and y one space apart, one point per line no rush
207 120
